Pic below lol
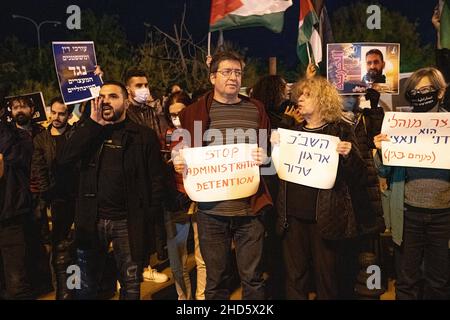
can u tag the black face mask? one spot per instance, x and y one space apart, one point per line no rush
423 102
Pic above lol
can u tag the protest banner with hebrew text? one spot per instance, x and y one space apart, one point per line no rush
75 64
417 139
305 158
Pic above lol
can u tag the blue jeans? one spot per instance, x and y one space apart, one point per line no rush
92 261
178 226
216 234
424 256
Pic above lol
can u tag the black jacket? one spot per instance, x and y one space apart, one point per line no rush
43 166
146 116
17 148
368 125
338 208
143 167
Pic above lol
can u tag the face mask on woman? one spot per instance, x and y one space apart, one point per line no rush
176 121
423 102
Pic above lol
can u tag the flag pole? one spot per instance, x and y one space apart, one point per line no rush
307 50
209 43
220 41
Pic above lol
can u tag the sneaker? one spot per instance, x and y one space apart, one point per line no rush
155 276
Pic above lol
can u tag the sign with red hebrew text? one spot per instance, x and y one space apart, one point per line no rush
417 139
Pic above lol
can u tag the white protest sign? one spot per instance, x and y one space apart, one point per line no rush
305 158
220 172
417 139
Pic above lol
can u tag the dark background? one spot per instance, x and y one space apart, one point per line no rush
258 42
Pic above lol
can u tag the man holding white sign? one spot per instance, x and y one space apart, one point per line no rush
223 117
419 198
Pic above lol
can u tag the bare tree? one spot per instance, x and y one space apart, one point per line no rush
173 58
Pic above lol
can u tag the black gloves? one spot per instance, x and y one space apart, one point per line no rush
374 97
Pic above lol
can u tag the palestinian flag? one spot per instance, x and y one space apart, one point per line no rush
309 43
233 14
445 24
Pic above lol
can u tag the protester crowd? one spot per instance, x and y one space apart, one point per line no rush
110 188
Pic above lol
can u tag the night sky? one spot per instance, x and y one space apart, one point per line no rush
259 41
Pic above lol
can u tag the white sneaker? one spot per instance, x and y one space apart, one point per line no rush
155 276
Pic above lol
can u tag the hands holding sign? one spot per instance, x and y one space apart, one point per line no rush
259 155
217 173
344 148
179 163
380 138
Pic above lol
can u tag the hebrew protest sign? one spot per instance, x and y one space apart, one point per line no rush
305 158
219 173
417 139
75 64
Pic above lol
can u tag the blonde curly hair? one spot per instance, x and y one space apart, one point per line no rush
326 96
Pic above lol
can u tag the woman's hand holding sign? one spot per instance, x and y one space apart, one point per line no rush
344 148
380 138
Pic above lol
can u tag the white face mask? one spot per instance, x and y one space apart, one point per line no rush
141 95
176 122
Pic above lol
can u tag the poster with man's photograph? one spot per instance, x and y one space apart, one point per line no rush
354 67
34 100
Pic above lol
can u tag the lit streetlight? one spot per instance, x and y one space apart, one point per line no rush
38 28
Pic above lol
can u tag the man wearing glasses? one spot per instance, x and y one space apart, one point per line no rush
238 119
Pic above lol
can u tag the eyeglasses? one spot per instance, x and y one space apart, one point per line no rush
174 115
422 90
228 72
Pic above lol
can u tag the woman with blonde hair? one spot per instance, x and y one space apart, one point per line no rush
313 220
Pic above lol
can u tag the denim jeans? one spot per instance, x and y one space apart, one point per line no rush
177 249
92 261
216 234
424 256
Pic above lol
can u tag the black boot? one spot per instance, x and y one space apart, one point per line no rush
63 257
